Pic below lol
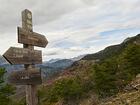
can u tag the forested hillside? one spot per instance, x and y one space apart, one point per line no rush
90 81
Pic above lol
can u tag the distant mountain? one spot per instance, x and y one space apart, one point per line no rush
2 60
52 68
59 59
53 60
55 66
62 63
48 68
77 58
112 50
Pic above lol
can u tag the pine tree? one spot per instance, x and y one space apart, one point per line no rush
5 90
105 77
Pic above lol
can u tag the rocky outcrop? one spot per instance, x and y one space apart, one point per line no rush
134 85
130 96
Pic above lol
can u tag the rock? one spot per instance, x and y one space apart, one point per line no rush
138 76
128 102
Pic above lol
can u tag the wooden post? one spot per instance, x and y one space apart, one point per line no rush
31 90
27 56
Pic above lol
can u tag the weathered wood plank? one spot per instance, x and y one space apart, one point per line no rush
23 56
25 77
31 90
31 38
27 20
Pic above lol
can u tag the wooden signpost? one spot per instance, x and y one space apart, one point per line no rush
32 38
30 76
26 77
23 56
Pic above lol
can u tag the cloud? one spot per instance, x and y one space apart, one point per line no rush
44 11
51 53
66 52
72 27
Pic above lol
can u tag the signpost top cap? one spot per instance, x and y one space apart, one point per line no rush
27 13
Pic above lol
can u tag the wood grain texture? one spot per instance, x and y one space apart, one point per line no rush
31 38
31 90
27 20
23 56
25 77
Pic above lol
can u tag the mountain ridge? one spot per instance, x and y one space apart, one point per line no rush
81 74
115 49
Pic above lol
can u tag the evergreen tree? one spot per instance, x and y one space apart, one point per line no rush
5 90
105 77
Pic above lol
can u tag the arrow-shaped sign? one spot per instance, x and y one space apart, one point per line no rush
24 77
23 56
31 38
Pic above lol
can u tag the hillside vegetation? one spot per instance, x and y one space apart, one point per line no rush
95 79
103 78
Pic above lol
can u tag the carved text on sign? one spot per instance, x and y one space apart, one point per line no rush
24 77
23 56
31 38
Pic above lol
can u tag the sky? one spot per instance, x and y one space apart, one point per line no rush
72 27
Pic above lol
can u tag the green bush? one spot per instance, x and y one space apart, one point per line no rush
105 77
114 73
66 89
6 90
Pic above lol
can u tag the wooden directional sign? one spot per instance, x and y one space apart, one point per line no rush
27 56
25 77
23 56
31 38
